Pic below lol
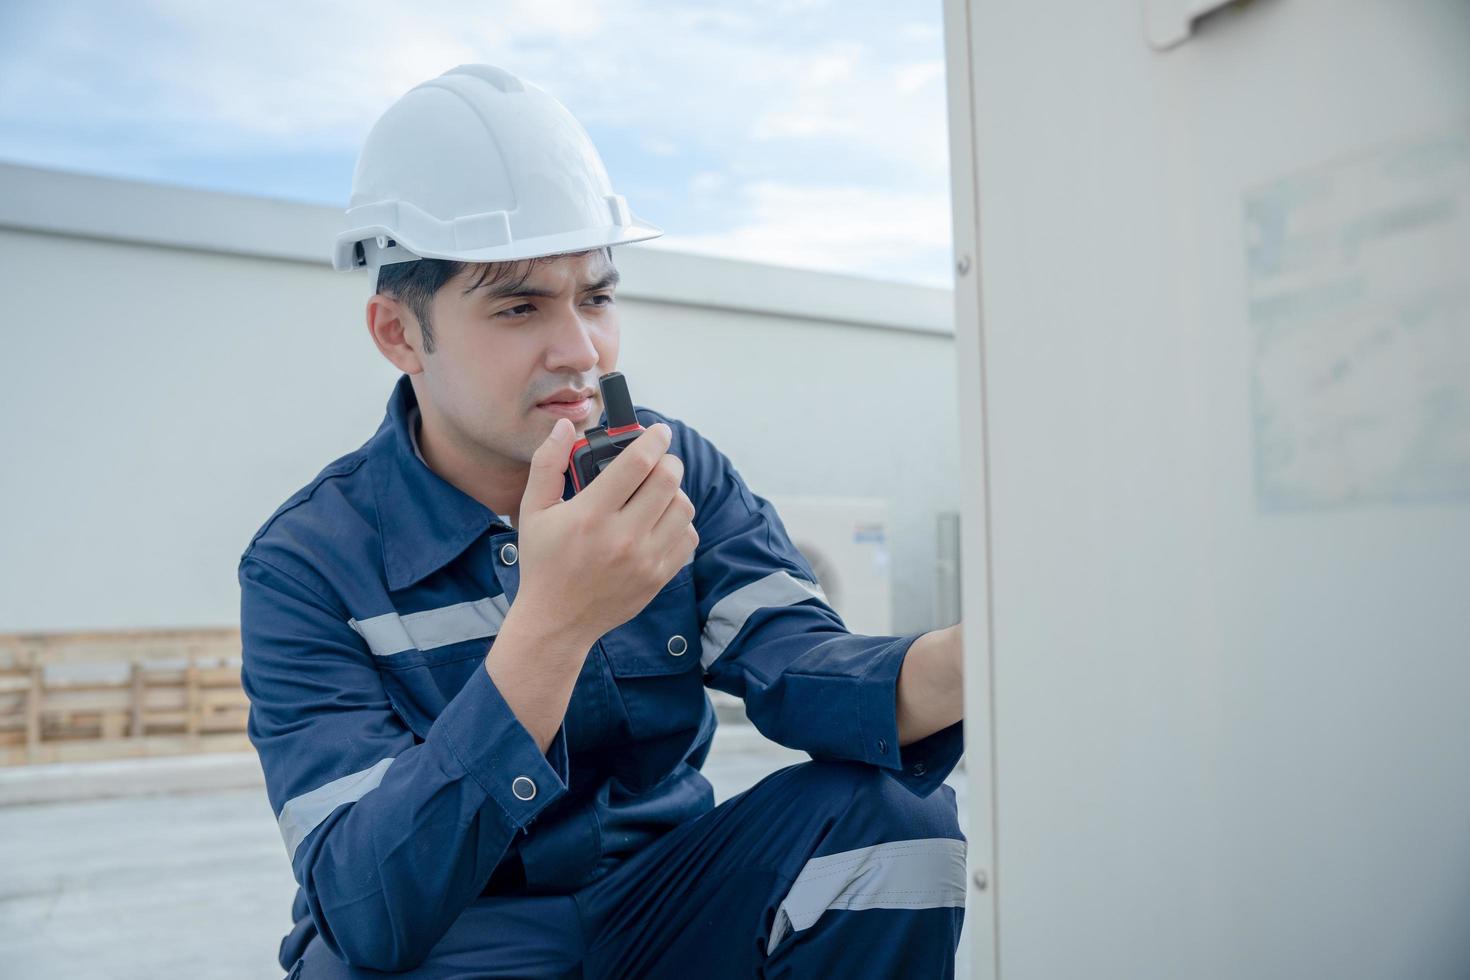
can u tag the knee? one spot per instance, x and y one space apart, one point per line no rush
318 963
881 802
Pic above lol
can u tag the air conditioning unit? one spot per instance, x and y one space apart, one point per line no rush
845 539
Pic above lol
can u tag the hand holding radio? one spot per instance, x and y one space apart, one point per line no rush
593 562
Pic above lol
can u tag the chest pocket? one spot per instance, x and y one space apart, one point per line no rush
654 660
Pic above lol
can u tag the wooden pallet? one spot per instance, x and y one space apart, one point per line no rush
74 697
67 697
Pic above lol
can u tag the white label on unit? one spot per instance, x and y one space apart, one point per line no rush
1358 274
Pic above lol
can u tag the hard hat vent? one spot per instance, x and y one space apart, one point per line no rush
498 77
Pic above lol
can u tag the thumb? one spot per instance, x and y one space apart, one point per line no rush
545 484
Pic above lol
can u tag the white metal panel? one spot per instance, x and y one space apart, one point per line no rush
1226 429
980 934
1170 22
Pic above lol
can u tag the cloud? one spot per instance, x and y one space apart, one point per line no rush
922 30
860 230
708 182
312 73
840 100
660 147
908 79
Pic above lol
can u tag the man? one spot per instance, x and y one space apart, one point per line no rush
478 698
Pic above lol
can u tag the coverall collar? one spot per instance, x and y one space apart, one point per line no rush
424 521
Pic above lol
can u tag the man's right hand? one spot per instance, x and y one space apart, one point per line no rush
593 562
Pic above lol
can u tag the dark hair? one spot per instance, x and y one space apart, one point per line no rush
415 283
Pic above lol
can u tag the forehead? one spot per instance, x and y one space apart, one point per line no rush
547 273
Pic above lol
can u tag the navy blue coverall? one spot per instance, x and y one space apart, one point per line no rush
429 833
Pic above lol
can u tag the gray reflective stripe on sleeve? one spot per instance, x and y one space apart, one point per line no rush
728 616
391 633
928 873
302 814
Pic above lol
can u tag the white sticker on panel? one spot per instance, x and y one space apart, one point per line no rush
1358 275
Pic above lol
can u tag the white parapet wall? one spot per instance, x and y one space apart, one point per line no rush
178 362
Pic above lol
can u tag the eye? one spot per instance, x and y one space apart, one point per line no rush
602 296
519 310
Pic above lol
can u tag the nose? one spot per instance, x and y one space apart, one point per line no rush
572 349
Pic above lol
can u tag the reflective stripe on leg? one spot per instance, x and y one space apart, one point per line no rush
906 874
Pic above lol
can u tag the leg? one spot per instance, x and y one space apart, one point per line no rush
498 936
821 869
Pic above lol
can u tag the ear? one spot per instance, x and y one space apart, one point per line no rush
396 331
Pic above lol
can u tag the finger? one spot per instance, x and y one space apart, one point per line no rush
674 533
660 486
546 482
614 485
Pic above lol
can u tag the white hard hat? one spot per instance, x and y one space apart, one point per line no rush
479 166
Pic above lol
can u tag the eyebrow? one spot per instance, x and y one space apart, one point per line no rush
608 280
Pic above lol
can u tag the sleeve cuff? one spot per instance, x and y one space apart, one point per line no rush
490 743
920 766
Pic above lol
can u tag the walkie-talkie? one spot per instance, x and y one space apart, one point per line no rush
600 446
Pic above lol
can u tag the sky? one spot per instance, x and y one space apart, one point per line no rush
809 133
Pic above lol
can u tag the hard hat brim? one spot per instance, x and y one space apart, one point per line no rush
400 250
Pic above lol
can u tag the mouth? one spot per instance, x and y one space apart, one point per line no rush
569 406
566 398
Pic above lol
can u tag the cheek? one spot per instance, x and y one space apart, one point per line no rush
484 380
607 347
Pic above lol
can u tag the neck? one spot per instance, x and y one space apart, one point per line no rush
495 481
